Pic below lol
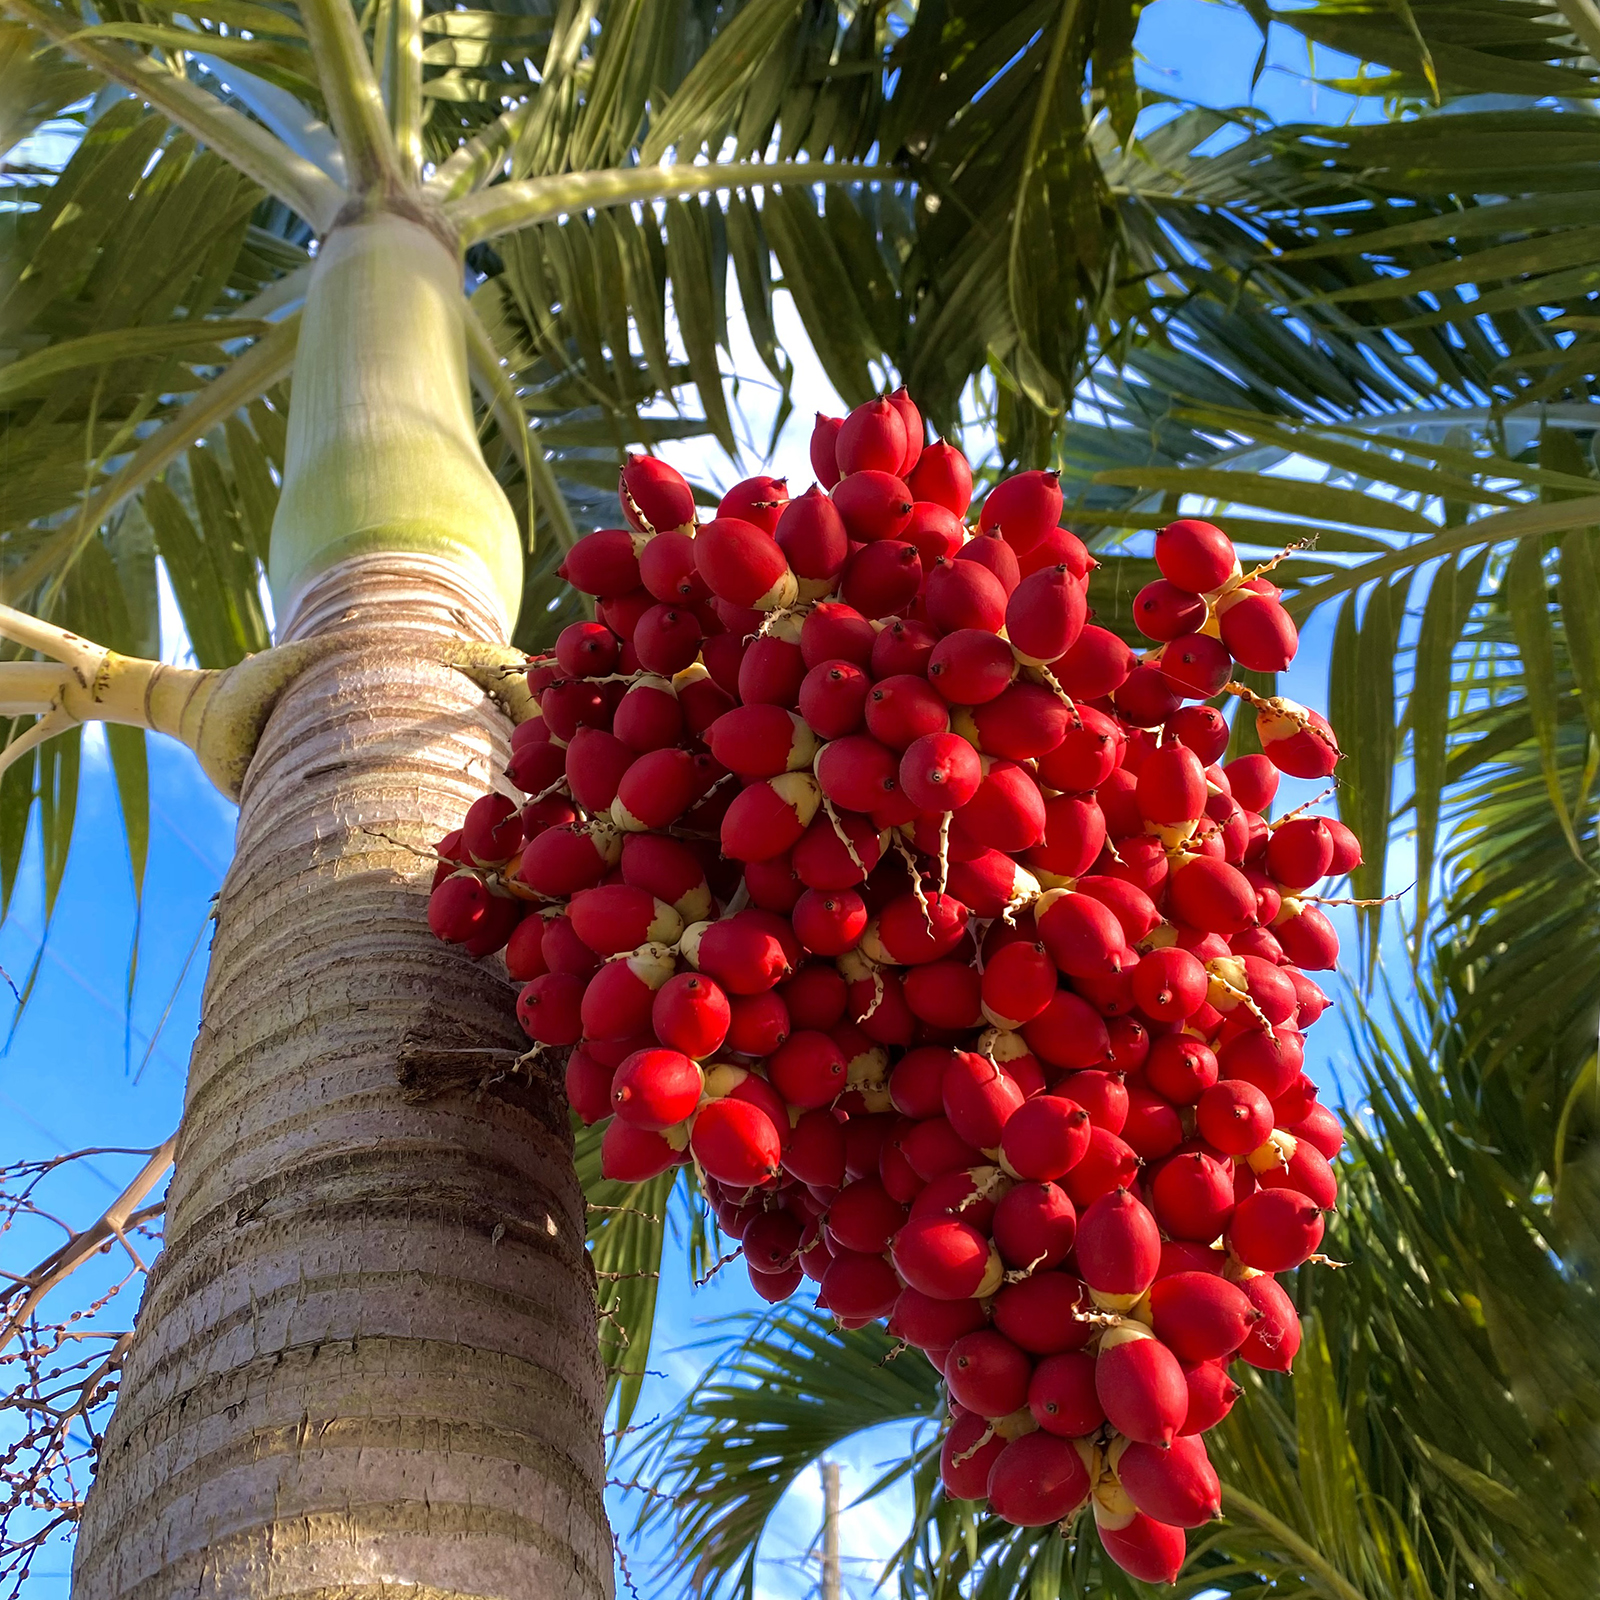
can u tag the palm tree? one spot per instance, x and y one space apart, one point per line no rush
367 1355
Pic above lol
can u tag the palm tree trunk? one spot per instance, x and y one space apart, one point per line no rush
366 1359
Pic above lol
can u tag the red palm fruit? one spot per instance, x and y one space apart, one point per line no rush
916 429
916 1085
1211 1396
1184 1255
458 907
690 1013
964 594
595 764
621 612
811 534
914 930
833 698
1082 936
769 817
588 1085
656 1088
1258 632
857 773
1175 1484
654 495
759 500
587 650
1022 722
1140 1385
971 666
1211 896
1059 547
1182 1070
808 1070
667 569
602 563
978 1099
943 476
1171 786
970 1449
1146 697
722 655
1274 1230
865 1137
1062 1398
815 1153
1296 1103
549 1008
1197 666
564 951
1103 1096
822 860
1153 1128
1074 836
1296 740
655 791
991 551
945 1258
824 449
1098 664
938 772
1192 1195
634 1155
491 830
1271 1062
1319 1127
1200 1316
771 672
859 1286
525 950
736 1142
932 1324
865 1217
1037 1480
881 1010
871 439
935 532
959 1194
1024 1070
1144 1548
1017 984
1203 729
1086 755
1024 508
1140 860
988 1374
1252 780
1195 555
1308 938
1069 1033
1006 811
1274 1339
617 999
1300 852
1307 1172
989 882
1046 614
564 859
616 917
829 921
905 645
743 565
761 741
1346 848
747 953
669 870
933 1147
535 763
1034 1226
704 699
648 716
874 505
1046 1313
771 1241
666 639
1117 798
1119 1244
815 996
901 709
757 1025
1170 985
1163 611
1130 1043
944 994
833 631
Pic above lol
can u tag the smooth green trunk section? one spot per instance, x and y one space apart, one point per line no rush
383 452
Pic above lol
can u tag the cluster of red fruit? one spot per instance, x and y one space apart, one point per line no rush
861 871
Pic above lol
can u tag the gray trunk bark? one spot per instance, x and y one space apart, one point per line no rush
366 1361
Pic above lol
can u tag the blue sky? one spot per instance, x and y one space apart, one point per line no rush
84 1070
